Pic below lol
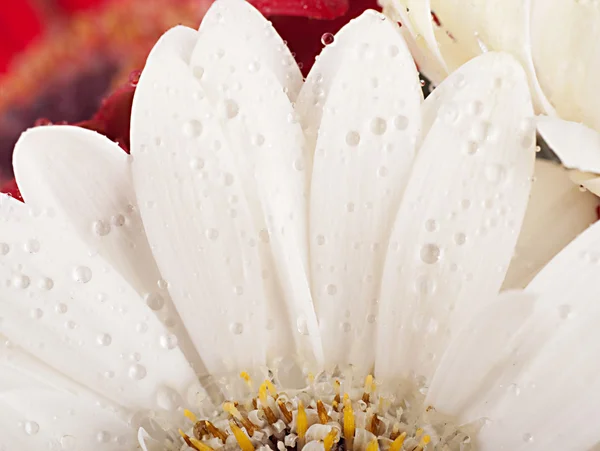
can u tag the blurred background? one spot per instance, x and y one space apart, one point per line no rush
77 61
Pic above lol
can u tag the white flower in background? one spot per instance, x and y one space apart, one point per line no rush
308 233
556 41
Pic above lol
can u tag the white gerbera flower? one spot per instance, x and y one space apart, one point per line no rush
556 41
302 234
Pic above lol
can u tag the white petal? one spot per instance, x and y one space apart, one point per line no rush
237 29
365 149
85 179
35 418
557 212
588 181
265 137
478 358
73 312
482 25
459 219
565 45
577 146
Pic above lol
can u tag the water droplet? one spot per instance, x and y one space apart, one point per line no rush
378 126
68 442
231 108
430 253
212 234
495 173
431 225
32 246
154 300
37 313
103 437
424 285
331 289
168 399
481 131
238 290
302 326
393 50
564 311
254 67
20 281
31 427
465 204
82 274
299 164
4 248
168 341
192 128
346 327
327 39
61 308
198 72
401 122
475 108
382 171
371 318
320 240
71 325
118 220
471 148
350 207
449 113
101 228
352 138
137 372
228 179
236 328
460 239
258 140
196 164
528 438
141 328
104 339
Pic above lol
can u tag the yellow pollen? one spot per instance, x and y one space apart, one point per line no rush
232 410
301 421
369 384
271 387
329 440
244 375
418 432
190 416
199 445
398 442
424 441
242 439
185 437
262 394
349 426
323 417
373 445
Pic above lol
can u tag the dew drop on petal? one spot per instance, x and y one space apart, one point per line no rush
528 438
4 248
137 372
103 437
258 140
154 300
430 253
32 246
31 428
393 50
495 173
431 225
196 164
68 442
198 72
21 281
104 339
236 328
564 311
82 274
471 148
238 290
331 289
352 138
320 240
346 327
61 308
192 128
401 122
299 164
101 228
37 313
231 108
168 341
378 126
460 238
302 325
212 234
327 39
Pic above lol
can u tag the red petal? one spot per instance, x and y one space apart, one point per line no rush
12 189
316 9
19 25
78 5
